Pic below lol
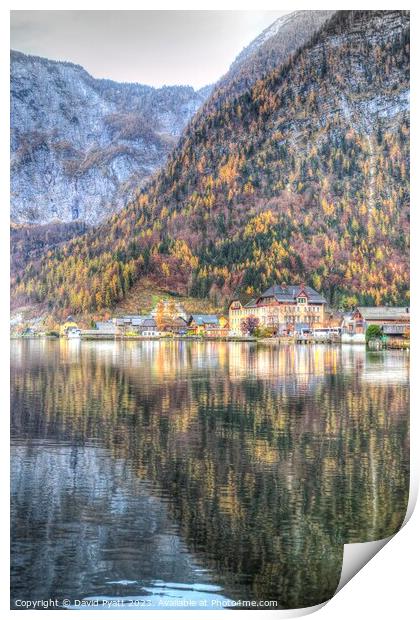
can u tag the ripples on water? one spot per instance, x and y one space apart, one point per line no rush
158 474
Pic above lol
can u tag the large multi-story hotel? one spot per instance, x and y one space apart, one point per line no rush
282 308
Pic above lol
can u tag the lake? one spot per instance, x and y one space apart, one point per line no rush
200 474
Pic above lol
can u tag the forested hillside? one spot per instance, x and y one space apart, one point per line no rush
302 177
29 242
269 50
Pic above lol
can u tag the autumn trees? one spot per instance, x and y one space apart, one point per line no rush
249 325
309 182
166 315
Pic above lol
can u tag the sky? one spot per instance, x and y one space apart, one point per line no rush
149 47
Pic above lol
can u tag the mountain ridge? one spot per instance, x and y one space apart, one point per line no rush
270 49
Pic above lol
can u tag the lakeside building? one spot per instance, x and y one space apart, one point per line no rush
218 331
394 321
199 323
28 332
210 325
129 321
177 325
69 324
106 327
166 318
283 308
150 328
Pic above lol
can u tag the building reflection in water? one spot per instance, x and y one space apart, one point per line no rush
231 468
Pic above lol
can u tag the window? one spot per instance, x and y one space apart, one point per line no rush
301 300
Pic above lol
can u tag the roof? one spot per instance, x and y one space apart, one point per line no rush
179 321
149 322
243 298
205 319
395 328
380 313
289 293
139 320
133 317
107 326
282 293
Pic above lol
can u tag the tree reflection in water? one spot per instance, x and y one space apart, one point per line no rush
233 468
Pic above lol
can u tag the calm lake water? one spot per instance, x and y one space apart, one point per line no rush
180 474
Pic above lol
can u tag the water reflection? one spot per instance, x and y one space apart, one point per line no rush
214 471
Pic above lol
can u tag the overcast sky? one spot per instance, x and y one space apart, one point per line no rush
150 47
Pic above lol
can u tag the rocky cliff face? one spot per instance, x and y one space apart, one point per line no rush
81 146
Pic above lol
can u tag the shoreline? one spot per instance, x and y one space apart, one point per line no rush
403 345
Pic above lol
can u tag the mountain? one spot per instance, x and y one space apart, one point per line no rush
271 49
81 147
303 176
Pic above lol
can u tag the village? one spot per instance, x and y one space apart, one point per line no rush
289 313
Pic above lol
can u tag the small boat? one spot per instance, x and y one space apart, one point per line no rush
73 333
